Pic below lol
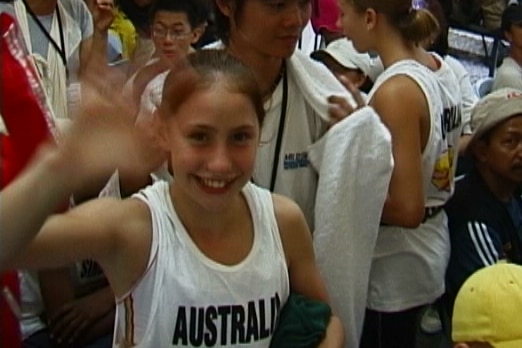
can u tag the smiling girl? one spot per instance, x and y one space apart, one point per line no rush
209 258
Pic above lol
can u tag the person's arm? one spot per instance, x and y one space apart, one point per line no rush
478 244
93 148
302 269
469 98
26 203
103 326
114 233
94 48
80 320
89 231
56 289
402 107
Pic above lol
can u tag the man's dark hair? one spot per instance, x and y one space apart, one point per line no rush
197 11
512 14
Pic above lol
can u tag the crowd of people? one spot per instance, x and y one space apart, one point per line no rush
185 173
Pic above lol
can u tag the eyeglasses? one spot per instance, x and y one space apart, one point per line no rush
163 32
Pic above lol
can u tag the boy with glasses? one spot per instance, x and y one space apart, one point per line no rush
176 25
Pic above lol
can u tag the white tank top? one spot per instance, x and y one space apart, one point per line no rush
408 265
185 299
440 154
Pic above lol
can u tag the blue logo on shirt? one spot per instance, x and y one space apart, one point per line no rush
296 160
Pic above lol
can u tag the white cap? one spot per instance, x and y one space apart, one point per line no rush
495 108
342 51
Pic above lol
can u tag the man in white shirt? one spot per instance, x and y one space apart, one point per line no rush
509 74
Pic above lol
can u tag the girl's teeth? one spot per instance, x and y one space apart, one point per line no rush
214 183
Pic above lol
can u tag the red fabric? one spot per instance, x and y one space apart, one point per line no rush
27 128
325 14
21 111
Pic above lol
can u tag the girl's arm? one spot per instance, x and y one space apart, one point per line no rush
303 272
100 140
403 108
114 233
26 203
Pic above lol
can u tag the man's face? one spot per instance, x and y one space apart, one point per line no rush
172 34
502 152
355 76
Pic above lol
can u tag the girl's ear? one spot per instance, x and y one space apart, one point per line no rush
226 7
371 19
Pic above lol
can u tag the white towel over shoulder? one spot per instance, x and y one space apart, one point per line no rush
354 161
316 83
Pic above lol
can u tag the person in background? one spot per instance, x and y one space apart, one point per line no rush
325 14
440 45
346 63
44 26
176 25
265 35
485 213
488 307
416 97
509 74
123 28
486 13
137 11
63 39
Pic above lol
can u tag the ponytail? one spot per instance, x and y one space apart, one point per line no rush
414 24
418 25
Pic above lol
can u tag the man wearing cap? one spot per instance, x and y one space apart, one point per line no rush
487 309
485 213
509 74
341 58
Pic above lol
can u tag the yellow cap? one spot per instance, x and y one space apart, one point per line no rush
488 307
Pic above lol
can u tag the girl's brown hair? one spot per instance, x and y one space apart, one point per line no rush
414 24
203 69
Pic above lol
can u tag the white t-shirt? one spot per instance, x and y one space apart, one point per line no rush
509 74
295 177
468 95
187 299
409 265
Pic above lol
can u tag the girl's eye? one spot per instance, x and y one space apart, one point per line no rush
198 137
242 137
277 5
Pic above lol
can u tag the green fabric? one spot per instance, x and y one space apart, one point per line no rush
302 323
